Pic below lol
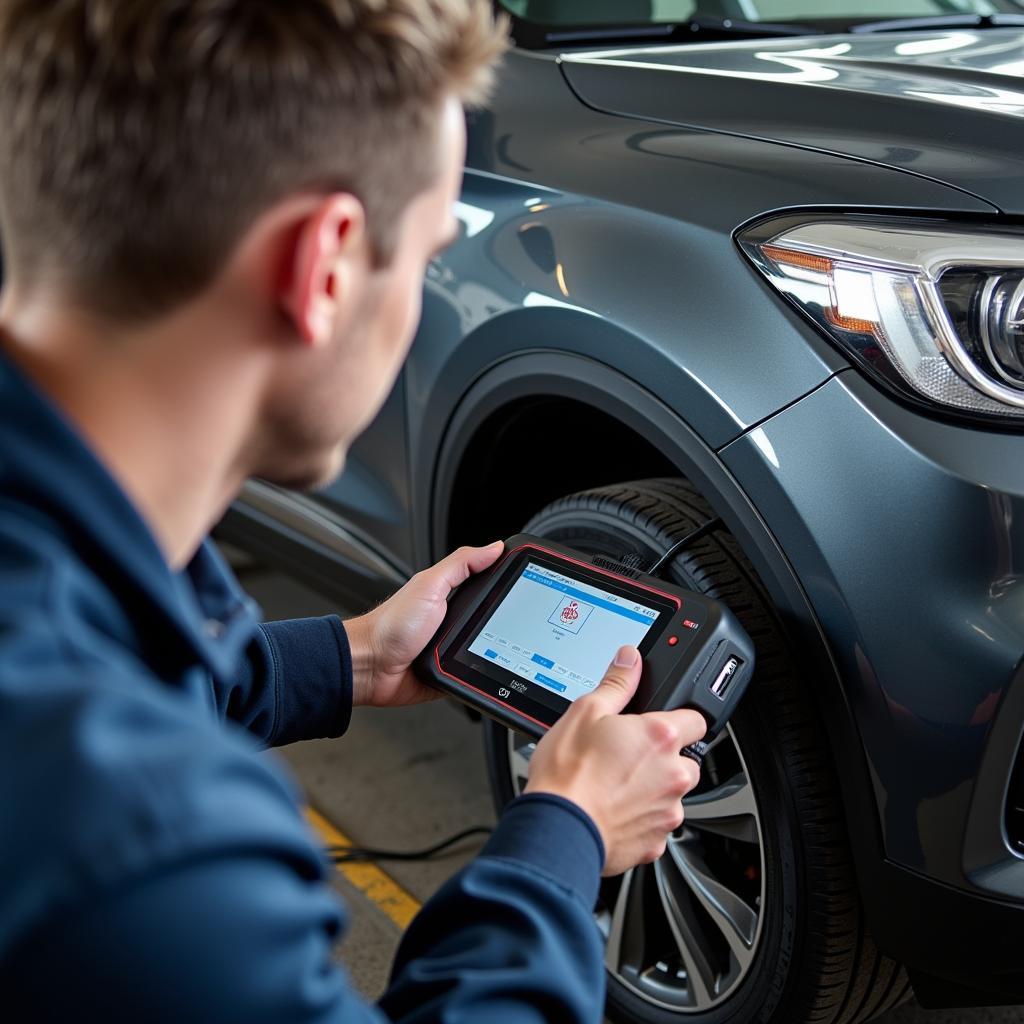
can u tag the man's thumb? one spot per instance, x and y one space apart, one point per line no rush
621 680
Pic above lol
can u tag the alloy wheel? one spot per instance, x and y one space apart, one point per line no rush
683 932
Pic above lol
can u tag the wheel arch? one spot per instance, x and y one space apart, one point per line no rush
492 408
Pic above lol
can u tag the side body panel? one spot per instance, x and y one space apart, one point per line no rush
909 538
624 253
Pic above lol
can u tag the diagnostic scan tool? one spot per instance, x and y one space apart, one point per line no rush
524 639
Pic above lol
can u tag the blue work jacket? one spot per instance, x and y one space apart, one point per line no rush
154 864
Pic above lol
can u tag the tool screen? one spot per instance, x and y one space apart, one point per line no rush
560 632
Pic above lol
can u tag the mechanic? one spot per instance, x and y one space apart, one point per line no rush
217 216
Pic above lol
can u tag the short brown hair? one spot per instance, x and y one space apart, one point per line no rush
141 138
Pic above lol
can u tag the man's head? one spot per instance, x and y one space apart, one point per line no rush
293 161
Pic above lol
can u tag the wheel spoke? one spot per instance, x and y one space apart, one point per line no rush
731 915
625 929
728 809
690 941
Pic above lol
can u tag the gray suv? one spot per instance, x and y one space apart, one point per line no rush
741 264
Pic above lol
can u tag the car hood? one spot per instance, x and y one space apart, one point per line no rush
946 105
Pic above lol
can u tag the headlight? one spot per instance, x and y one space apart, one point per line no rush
938 311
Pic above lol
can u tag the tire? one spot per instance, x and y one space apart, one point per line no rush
784 854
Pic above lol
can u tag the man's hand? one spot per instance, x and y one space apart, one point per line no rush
385 641
625 771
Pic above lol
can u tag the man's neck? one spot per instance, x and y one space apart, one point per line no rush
161 410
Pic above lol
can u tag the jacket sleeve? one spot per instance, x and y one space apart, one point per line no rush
295 682
511 939
247 937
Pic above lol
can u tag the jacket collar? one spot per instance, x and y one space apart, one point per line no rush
45 465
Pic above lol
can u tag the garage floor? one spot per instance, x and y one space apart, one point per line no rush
408 778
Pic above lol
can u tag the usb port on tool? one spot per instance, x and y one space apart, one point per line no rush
726 674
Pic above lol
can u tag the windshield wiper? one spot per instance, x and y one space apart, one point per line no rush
939 22
699 29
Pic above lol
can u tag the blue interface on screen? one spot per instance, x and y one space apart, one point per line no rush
560 632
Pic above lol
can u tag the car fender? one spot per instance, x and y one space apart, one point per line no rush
584 379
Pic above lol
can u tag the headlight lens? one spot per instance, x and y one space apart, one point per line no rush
987 311
937 311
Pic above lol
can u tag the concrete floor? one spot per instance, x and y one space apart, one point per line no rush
407 778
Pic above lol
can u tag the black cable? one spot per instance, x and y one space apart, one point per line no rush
681 545
355 854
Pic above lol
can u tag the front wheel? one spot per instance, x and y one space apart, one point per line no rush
752 914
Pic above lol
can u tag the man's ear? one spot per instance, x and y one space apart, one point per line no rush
329 256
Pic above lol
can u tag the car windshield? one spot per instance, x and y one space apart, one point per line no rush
655 12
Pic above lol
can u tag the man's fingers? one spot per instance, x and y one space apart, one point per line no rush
457 567
483 558
620 681
687 724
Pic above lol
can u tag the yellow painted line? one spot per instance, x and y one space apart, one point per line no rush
377 886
